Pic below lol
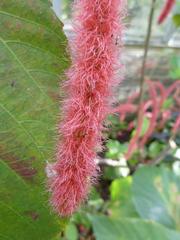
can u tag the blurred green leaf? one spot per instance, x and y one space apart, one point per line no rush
121 204
116 123
175 67
145 126
176 20
130 229
114 120
71 232
115 149
156 193
94 194
111 173
95 199
168 103
155 149
120 189
144 129
33 55
134 160
81 218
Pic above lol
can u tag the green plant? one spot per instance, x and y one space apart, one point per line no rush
140 207
33 54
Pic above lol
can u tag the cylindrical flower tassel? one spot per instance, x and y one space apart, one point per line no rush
94 50
166 10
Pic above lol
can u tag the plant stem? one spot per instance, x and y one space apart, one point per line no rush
146 48
142 79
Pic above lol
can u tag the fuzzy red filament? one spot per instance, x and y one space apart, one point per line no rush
94 51
166 10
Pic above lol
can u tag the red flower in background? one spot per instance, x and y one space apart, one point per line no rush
166 10
152 108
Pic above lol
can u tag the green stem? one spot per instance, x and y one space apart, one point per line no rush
146 48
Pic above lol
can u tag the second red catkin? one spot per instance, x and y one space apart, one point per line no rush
166 10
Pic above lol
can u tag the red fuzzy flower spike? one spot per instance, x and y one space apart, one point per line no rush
94 51
166 10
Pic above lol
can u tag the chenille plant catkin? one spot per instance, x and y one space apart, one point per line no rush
97 25
169 4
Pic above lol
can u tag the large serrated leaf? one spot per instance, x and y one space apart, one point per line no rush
32 57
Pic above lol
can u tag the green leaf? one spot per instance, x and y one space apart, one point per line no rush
168 103
155 148
115 149
144 129
95 199
23 209
175 67
176 20
111 173
121 204
33 55
81 218
130 229
156 193
71 232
